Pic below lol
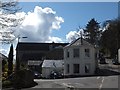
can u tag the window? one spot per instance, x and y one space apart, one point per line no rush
68 54
87 68
87 52
68 68
76 68
76 52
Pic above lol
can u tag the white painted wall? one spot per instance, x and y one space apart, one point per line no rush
119 55
82 60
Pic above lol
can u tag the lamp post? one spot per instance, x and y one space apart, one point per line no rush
20 37
17 57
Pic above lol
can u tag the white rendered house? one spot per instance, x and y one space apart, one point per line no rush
79 58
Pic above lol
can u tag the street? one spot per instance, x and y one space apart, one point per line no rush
107 80
97 82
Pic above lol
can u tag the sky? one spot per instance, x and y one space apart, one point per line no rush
58 21
76 14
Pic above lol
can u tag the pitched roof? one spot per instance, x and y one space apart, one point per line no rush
56 54
52 63
37 46
79 42
32 56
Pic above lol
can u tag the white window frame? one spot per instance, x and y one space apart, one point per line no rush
78 53
87 52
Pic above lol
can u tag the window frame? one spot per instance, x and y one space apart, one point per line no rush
76 71
67 53
68 68
87 52
76 50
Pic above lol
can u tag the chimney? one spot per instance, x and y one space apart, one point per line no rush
81 38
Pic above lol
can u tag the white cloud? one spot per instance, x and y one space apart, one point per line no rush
39 24
55 39
72 35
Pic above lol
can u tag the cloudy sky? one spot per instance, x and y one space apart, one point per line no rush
58 22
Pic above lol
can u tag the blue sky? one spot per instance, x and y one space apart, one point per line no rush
74 14
77 13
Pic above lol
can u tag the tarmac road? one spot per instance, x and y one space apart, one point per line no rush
96 82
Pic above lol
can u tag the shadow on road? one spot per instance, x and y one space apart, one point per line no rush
107 72
100 72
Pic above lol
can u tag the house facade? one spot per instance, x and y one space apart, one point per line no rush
79 58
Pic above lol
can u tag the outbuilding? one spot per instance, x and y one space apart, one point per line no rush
50 66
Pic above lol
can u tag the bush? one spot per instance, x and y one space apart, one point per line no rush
20 79
4 74
6 84
23 78
3 78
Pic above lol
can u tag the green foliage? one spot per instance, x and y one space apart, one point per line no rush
92 32
110 39
6 84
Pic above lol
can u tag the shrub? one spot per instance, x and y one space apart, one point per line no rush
6 84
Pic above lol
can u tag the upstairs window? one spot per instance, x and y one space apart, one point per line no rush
67 53
76 52
87 52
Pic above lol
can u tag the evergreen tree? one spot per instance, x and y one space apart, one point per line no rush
92 32
110 37
10 60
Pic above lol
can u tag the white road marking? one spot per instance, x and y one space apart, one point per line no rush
103 79
67 85
101 83
100 86
98 77
79 84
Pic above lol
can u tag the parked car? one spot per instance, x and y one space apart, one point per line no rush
55 75
37 75
115 62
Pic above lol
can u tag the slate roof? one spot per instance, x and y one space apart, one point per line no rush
78 42
53 63
37 46
56 54
32 56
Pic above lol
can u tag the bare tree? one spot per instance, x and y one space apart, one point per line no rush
9 6
8 20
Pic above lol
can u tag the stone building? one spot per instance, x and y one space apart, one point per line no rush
33 54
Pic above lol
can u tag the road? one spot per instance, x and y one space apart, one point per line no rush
108 79
98 82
